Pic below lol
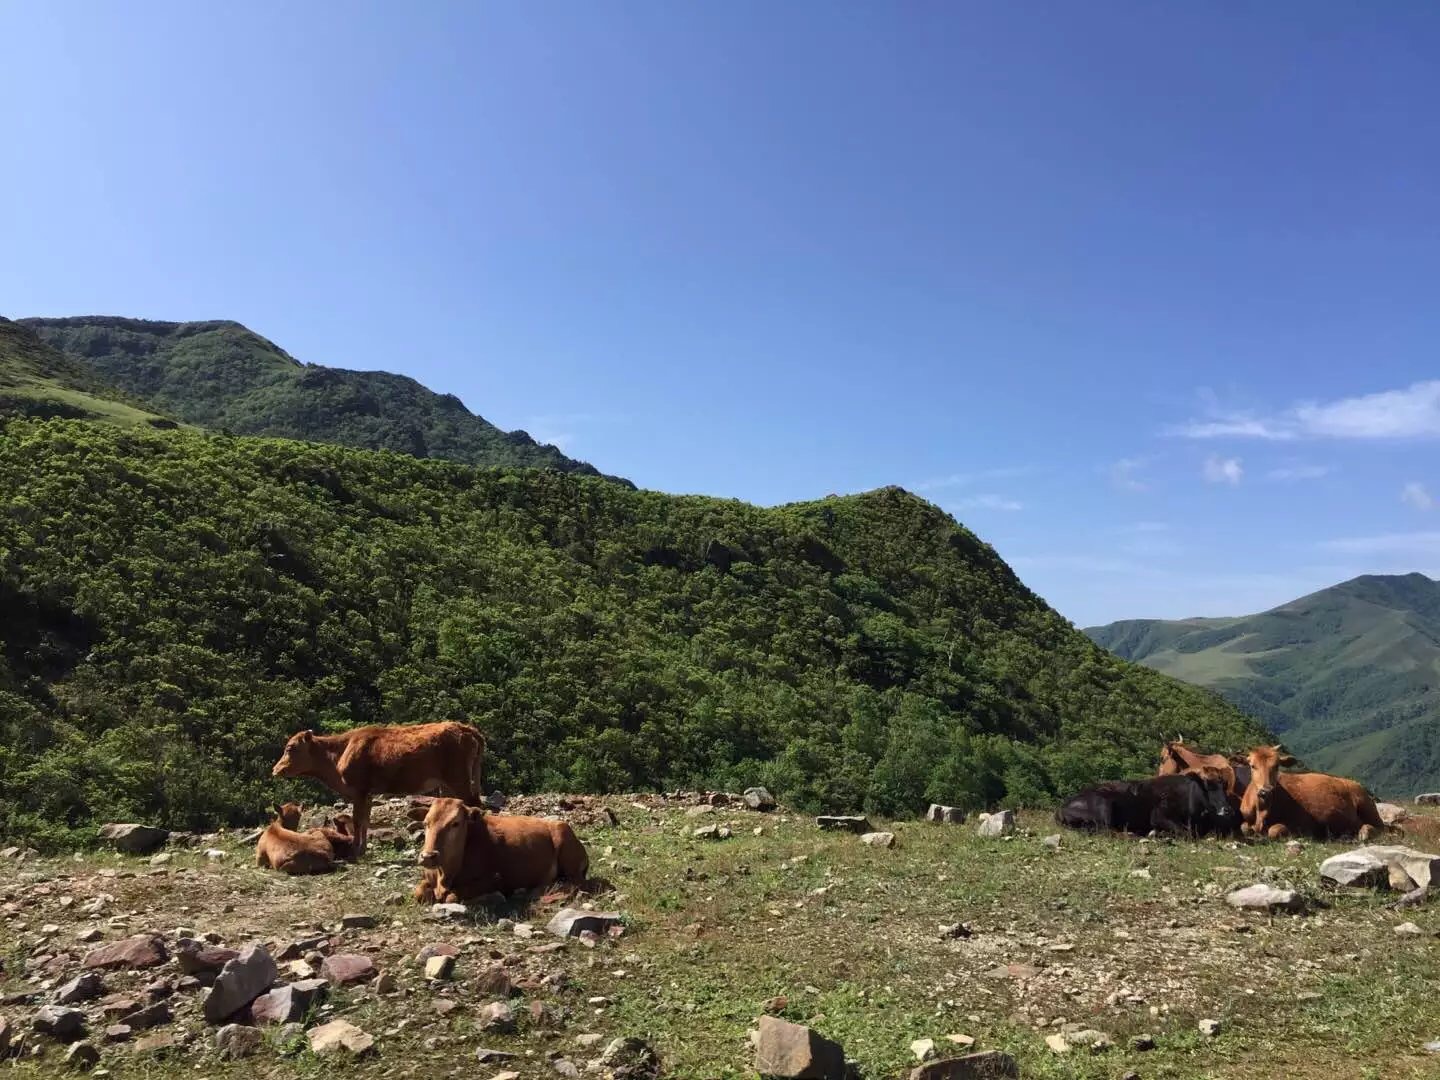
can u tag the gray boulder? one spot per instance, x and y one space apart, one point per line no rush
1262 897
235 1041
757 798
572 922
1000 823
945 815
289 1003
59 1022
878 839
1381 866
81 988
843 823
133 839
1430 798
239 983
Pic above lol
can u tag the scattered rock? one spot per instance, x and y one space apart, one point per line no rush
59 1022
358 922
1209 1028
440 967
236 1041
712 832
344 969
385 983
196 958
1097 1042
340 1035
448 911
133 839
81 988
215 854
240 982
571 922
494 981
148 1017
1430 798
783 1049
438 949
1052 842
1142 1043
946 815
923 1049
497 1017
1261 897
161 859
290 1003
990 1065
82 1057
117 1033
757 798
140 951
1000 823
157 1042
1381 866
879 839
1293 848
1408 929
486 1056
630 1059
1057 1043
703 810
843 823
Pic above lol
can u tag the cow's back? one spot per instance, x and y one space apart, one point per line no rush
1333 804
411 758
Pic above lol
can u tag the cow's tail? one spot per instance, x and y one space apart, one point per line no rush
477 767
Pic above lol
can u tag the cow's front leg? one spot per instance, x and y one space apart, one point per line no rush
362 822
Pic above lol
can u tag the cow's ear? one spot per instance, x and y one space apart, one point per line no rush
474 813
1285 761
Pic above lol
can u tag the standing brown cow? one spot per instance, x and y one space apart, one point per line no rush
469 853
412 759
1318 805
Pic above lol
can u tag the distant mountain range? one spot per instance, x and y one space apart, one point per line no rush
1348 676
224 377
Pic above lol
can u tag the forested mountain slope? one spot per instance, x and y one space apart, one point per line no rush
1350 675
222 376
173 605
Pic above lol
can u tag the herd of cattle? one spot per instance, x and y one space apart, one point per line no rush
469 852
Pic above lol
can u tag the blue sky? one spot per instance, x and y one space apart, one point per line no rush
1144 293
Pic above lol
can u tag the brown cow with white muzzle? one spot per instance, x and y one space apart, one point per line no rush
469 853
407 759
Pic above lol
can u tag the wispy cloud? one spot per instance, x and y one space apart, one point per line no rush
1125 474
985 502
968 479
562 430
1409 413
1415 494
1218 470
1296 473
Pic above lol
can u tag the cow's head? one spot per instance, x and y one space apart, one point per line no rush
299 752
1215 794
1171 762
1265 765
447 825
289 815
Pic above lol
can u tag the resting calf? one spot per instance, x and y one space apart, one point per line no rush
469 853
283 848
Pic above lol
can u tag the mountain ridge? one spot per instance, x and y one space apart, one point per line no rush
220 374
1348 675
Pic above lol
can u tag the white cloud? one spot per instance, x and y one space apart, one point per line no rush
1220 470
1123 474
1411 413
986 502
1414 494
967 479
1300 472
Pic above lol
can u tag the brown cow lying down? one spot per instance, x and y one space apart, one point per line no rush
405 759
1318 805
469 853
314 851
1177 758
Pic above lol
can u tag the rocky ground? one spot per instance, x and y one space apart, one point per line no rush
1077 957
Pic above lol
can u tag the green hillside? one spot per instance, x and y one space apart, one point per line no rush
39 381
1350 675
222 376
173 605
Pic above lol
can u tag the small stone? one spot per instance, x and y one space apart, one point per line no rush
117 1033
1209 1028
133 839
486 1056
148 1017
783 1049
385 983
1431 1047
289 1003
923 1049
59 1022
344 969
157 1042
81 988
494 981
89 934
216 854
990 1065
1052 842
1057 1044
1408 929
1142 1043
703 810
1000 823
879 839
946 815
1143 873
448 911
340 1035
140 951
712 832
440 967
961 1040
1261 897
358 922
235 1041
1096 1041
240 982
588 1040
161 859
82 1056
572 922
497 1017
424 955
757 798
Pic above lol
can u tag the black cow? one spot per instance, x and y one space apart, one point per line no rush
1186 804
